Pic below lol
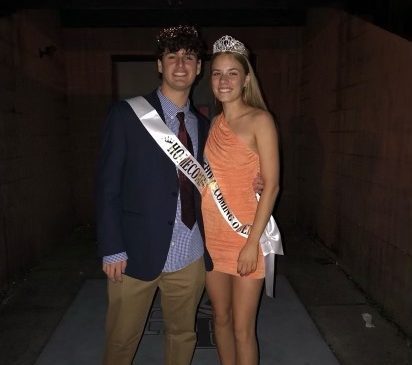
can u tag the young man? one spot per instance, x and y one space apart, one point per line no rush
147 237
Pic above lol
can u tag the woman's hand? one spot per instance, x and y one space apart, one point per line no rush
247 260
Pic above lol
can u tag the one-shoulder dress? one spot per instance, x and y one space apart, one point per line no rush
234 166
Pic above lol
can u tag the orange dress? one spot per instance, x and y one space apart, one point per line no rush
234 166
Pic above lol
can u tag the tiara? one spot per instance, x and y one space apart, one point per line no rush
173 32
230 44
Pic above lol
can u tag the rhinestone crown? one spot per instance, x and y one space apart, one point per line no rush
230 44
180 30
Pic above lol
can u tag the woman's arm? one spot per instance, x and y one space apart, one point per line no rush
266 138
268 150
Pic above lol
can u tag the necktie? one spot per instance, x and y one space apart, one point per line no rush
185 185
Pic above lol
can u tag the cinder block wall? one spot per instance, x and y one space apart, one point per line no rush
342 101
35 194
355 153
89 70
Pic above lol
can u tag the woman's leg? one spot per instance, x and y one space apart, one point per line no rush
219 291
245 302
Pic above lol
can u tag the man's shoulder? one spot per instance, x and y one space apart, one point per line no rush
120 110
198 114
150 97
202 120
123 106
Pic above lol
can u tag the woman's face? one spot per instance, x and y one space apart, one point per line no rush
228 78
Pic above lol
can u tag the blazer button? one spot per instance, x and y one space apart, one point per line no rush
174 193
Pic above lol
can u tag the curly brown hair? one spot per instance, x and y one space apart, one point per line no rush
185 37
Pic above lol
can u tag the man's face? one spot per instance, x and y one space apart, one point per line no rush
179 70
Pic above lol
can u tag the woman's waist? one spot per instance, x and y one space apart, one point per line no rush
237 200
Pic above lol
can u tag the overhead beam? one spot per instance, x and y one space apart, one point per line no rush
160 17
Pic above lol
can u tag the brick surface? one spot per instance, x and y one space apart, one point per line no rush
36 207
369 147
340 89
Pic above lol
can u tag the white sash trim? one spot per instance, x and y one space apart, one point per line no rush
230 218
270 241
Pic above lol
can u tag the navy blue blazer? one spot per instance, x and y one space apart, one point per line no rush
136 193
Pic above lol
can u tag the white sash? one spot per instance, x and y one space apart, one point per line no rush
270 241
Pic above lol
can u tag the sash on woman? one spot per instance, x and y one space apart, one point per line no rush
270 241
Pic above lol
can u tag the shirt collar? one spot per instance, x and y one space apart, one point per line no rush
169 107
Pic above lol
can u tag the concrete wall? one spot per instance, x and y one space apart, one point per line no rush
355 153
89 70
35 193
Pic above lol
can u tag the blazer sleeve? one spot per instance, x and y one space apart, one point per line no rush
110 167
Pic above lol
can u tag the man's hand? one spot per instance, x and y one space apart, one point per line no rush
115 270
258 183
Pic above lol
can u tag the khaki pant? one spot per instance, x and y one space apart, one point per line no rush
129 305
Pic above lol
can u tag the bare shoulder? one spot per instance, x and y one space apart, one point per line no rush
262 119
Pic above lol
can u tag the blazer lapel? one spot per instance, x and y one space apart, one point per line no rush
153 99
201 134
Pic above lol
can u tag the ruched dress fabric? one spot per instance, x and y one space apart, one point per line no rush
234 166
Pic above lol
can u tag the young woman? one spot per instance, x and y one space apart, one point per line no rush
242 142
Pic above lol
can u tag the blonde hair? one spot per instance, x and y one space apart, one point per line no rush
251 93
